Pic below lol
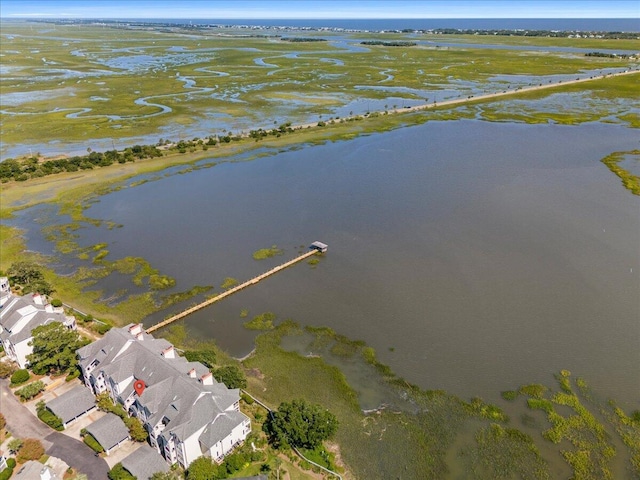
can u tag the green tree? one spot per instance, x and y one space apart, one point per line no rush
231 376
54 349
205 357
300 424
15 445
28 275
104 402
203 468
136 429
119 473
24 273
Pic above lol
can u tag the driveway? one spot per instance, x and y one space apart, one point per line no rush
23 424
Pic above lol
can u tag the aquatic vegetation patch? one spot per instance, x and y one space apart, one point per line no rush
630 181
412 435
503 453
265 253
264 321
593 450
173 298
229 282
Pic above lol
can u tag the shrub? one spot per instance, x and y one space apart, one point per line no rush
3 422
231 376
29 391
102 328
92 443
6 473
205 357
20 376
72 375
56 302
11 462
15 445
6 369
119 473
32 449
48 417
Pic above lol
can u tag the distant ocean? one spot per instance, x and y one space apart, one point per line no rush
567 24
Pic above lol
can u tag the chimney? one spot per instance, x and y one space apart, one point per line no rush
169 352
37 299
192 373
136 331
206 379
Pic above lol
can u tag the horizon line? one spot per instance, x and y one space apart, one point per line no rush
77 16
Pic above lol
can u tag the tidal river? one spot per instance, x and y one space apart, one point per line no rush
473 256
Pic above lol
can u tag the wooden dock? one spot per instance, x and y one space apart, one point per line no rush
231 291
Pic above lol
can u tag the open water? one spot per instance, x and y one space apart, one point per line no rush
473 256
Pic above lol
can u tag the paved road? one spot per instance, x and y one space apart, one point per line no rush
23 424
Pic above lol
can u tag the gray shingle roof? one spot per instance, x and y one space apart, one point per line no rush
15 309
144 462
72 404
220 428
183 404
109 431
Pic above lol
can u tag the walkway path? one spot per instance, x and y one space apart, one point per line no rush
231 291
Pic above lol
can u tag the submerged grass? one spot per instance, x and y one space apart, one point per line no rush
264 253
409 441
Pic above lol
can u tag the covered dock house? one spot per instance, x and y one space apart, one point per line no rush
319 246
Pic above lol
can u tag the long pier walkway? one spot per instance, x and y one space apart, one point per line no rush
231 291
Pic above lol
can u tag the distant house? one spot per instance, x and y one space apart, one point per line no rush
20 315
33 470
185 411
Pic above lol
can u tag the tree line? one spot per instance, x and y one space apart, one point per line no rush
32 167
529 33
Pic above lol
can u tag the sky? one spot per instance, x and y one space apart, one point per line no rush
319 9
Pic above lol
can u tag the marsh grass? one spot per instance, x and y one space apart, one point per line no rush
264 321
259 93
414 441
630 181
502 453
264 253
229 282
573 423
